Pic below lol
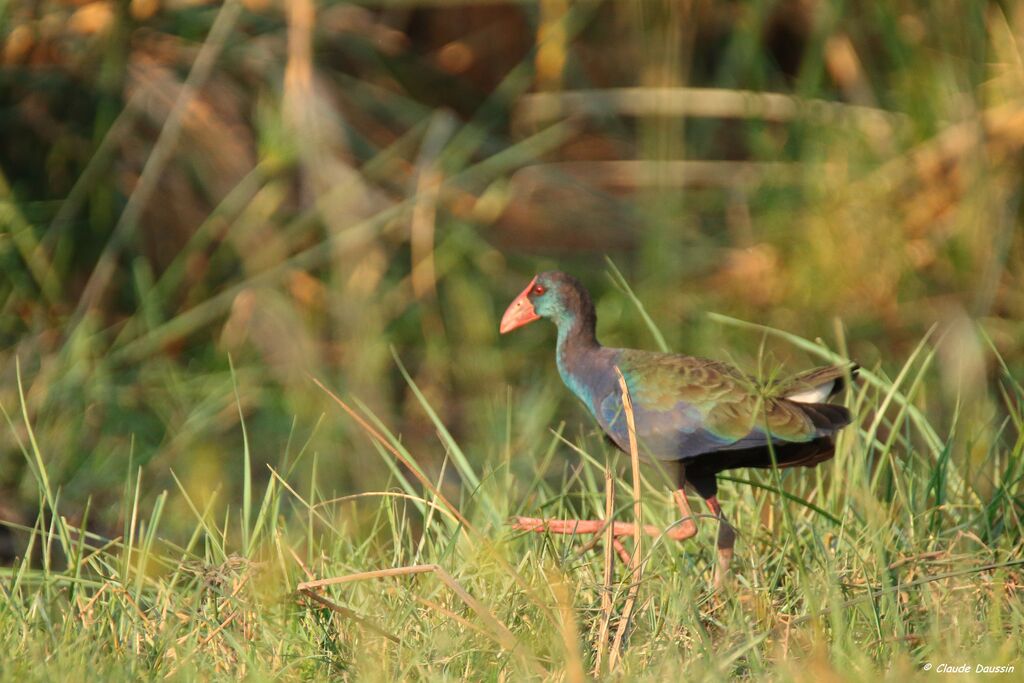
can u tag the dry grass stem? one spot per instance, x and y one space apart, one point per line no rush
699 102
349 614
574 669
636 564
635 174
608 575
498 630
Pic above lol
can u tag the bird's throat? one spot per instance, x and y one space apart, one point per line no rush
576 345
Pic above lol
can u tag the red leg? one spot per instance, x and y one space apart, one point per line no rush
687 528
726 541
594 526
621 550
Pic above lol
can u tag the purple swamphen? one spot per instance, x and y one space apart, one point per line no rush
700 416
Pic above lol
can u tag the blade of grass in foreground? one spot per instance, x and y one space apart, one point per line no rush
411 464
458 457
620 281
246 467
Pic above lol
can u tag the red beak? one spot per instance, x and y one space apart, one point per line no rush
520 311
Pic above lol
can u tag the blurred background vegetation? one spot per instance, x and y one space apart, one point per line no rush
309 187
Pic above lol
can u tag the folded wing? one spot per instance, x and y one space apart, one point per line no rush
685 407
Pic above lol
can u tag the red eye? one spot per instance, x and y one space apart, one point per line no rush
539 289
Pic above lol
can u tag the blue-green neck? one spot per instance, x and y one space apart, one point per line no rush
576 341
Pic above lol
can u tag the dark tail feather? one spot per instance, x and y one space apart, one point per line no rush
806 454
840 384
701 473
827 417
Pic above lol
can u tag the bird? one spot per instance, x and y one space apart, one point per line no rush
696 416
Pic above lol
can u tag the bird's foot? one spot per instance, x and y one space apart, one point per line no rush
725 543
722 574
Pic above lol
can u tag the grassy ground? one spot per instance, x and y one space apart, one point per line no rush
890 558
205 206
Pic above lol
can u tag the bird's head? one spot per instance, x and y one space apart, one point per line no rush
553 295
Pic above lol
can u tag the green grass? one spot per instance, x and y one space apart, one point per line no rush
192 234
892 555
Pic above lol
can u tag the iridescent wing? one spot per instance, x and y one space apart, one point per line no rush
686 406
